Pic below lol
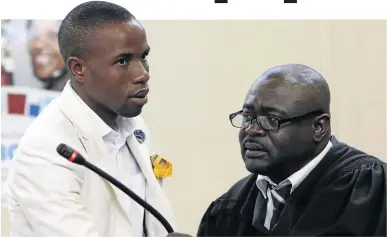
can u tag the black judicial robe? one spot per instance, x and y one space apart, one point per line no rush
345 195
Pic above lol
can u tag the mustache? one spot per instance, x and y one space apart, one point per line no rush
255 142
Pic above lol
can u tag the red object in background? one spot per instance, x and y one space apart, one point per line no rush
16 103
4 77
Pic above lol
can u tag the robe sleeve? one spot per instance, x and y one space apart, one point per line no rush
205 222
353 204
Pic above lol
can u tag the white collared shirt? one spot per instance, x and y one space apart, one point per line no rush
115 141
295 179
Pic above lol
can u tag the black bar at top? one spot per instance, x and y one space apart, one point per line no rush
290 1
221 1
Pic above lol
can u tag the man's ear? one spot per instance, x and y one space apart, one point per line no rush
321 127
77 69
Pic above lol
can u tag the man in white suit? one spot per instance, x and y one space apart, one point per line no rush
105 49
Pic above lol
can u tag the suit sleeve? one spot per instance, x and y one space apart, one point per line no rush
47 190
352 205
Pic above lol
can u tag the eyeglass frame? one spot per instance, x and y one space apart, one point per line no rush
281 121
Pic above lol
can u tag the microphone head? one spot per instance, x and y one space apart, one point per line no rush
70 154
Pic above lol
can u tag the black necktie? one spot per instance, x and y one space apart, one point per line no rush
279 195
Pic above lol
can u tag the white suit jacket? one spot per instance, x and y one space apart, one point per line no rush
49 196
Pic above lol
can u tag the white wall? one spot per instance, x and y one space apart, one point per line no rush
201 70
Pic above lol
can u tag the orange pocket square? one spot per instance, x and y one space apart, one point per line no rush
161 167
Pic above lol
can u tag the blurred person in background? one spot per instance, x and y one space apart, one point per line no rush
47 62
304 181
6 55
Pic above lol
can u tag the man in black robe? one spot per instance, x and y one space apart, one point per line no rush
304 181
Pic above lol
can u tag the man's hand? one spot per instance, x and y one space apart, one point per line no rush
177 234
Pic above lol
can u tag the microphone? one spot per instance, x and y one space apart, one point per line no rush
75 157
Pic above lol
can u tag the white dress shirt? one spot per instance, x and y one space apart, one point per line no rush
134 179
295 179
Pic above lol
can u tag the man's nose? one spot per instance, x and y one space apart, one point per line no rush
255 130
142 75
37 44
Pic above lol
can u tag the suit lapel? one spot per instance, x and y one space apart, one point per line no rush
96 151
141 155
154 193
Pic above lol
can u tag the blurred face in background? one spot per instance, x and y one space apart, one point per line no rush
43 48
6 54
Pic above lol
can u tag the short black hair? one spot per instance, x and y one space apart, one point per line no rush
80 23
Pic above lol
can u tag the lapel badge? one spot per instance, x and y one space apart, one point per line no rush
140 136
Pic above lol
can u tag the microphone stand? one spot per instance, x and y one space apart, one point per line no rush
131 194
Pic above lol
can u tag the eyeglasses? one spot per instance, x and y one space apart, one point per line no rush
270 123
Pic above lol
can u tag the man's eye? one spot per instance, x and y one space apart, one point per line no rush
248 116
143 58
272 121
122 61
